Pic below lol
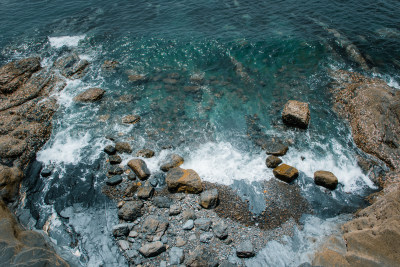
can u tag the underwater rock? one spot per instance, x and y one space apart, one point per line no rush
180 180
90 95
110 65
145 153
286 173
138 78
296 114
123 147
273 161
171 161
140 168
326 179
131 119
131 210
209 199
45 173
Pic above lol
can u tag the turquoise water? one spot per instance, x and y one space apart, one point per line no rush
210 65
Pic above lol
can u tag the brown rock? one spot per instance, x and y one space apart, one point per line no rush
110 65
171 161
145 153
180 180
9 182
11 147
145 192
273 161
115 159
131 210
326 179
131 119
123 147
140 168
329 258
152 249
296 114
90 95
286 173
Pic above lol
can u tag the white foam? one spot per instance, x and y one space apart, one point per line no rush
70 41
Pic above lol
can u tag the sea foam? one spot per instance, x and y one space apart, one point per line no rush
70 41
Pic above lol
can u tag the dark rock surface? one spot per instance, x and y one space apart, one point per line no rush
273 161
145 192
110 150
326 179
131 210
114 180
114 159
123 147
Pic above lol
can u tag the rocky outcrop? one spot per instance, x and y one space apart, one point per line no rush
296 114
326 179
90 95
286 173
180 180
71 66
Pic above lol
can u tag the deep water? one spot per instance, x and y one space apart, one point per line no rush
251 56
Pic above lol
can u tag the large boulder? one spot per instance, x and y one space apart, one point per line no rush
131 210
326 179
90 95
286 173
172 161
209 199
140 168
180 180
296 114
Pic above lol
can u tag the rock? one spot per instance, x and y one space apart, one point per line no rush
209 199
245 250
45 173
131 210
175 210
203 224
90 95
273 161
110 65
138 78
140 168
152 249
123 147
227 264
188 225
180 180
164 239
132 254
202 256
114 180
71 66
133 234
188 214
131 119
171 161
153 181
162 202
296 114
132 176
145 153
145 192
192 237
276 149
206 237
180 242
176 256
110 150
163 264
326 179
115 170
220 230
123 244
286 173
131 189
121 229
154 227
114 159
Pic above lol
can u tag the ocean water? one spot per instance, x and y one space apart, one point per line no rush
250 56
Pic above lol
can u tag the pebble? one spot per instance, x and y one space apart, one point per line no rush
206 237
176 256
180 242
174 210
203 224
188 225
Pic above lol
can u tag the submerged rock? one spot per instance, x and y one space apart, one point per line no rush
110 65
90 95
276 149
180 180
131 119
152 249
171 161
145 153
209 199
326 179
131 210
273 161
140 168
296 114
286 173
71 66
245 250
138 78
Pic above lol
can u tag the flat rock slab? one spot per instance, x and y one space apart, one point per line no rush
180 180
90 95
286 173
172 161
326 179
296 114
152 249
140 168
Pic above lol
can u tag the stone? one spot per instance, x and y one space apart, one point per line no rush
132 176
296 114
188 214
188 225
206 237
209 199
273 161
132 254
176 256
138 78
153 181
276 149
326 179
145 153
114 159
71 66
180 242
152 249
164 239
131 210
220 230
90 95
131 119
46 172
123 244
192 237
133 234
180 180
172 161
110 150
121 229
123 147
145 192
162 202
140 168
131 189
245 250
203 224
154 227
174 210
110 65
115 170
286 173
227 264
114 180
202 256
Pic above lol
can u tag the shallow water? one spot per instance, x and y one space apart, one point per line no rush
251 57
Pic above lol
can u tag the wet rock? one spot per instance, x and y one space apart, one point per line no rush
171 161
188 214
220 230
245 250
110 150
138 78
203 224
140 168
209 199
71 66
115 170
123 147
152 249
110 65
90 95
114 180
227 264
176 256
188 225
123 244
296 114
180 242
273 161
286 173
145 192
326 179
132 176
201 256
11 147
276 149
180 180
162 202
45 173
206 237
131 119
131 210
145 153
174 210
114 159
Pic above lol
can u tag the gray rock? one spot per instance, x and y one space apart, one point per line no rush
206 237
71 66
174 210
114 180
227 264
153 181
152 249
276 149
209 199
123 147
133 234
162 202
273 161
171 161
326 179
188 225
245 250
180 242
202 256
132 254
123 244
188 214
164 239
203 224
220 230
114 159
163 264
115 170
132 176
140 168
145 192
110 150
121 229
130 211
192 237
176 256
